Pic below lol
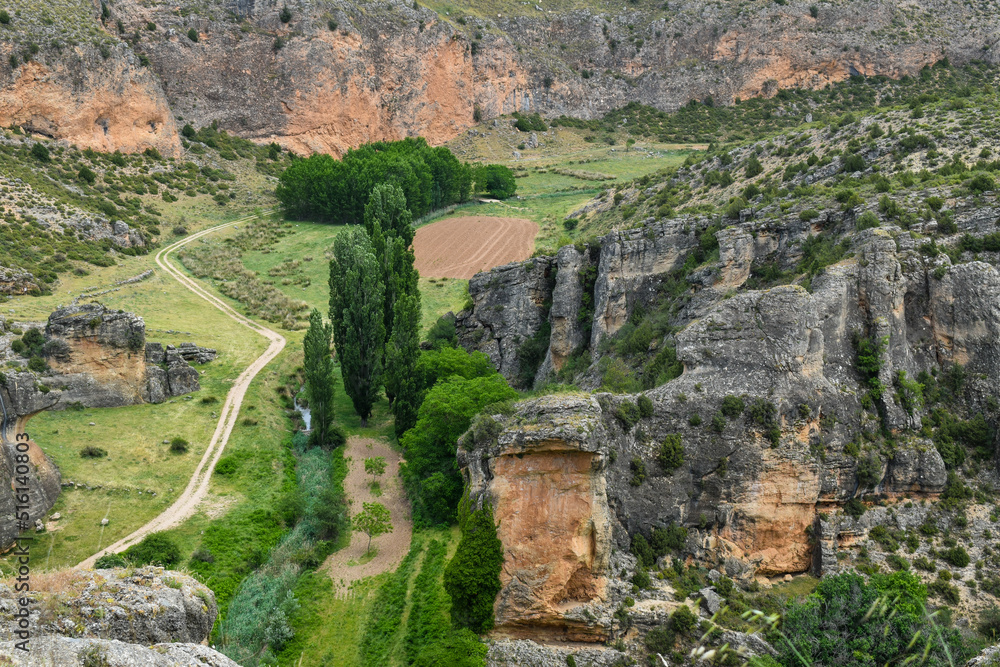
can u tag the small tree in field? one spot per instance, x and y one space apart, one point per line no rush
373 521
375 466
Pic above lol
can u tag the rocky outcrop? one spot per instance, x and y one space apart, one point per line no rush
543 474
511 306
57 651
16 281
144 606
96 358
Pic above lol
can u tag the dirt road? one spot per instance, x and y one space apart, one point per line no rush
185 505
345 566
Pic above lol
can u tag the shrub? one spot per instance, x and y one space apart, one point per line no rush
285 15
854 508
227 465
156 548
472 578
643 551
192 34
638 467
37 364
956 556
4 17
91 452
645 404
178 445
989 622
641 578
109 561
683 620
866 220
202 555
982 183
854 163
87 175
718 422
670 455
40 152
665 540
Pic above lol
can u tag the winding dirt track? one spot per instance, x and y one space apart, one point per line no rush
185 505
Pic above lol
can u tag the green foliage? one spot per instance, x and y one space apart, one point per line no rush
155 548
868 360
430 472
472 578
854 508
732 406
192 34
328 190
955 556
866 220
869 471
110 561
764 414
318 366
683 620
638 468
531 354
529 122
179 445
910 393
285 15
356 311
402 355
628 414
841 624
443 333
982 183
40 152
373 520
495 180
92 452
670 454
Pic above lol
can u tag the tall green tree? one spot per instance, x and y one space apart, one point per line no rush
401 356
472 578
319 377
356 311
390 226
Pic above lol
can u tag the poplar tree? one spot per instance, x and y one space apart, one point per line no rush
319 376
401 356
390 226
357 313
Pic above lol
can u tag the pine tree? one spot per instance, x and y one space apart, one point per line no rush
356 310
401 356
319 376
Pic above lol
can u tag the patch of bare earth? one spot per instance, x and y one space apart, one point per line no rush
462 247
349 565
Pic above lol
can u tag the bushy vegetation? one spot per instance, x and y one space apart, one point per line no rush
328 190
472 578
156 549
386 615
852 621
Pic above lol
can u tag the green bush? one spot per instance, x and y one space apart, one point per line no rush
670 455
982 183
110 561
628 414
155 548
638 468
866 220
683 620
40 152
641 578
841 622
92 452
37 364
192 34
472 578
645 404
227 465
956 556
179 445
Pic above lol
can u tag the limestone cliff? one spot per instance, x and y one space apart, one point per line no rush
748 484
337 74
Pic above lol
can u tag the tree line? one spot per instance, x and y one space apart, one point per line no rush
324 189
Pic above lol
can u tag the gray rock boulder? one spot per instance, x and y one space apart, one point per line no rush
144 606
57 651
711 600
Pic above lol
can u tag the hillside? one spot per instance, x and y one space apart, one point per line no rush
325 76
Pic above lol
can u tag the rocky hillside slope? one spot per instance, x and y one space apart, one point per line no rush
88 356
328 75
794 347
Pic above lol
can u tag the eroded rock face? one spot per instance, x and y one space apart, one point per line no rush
543 477
511 305
144 606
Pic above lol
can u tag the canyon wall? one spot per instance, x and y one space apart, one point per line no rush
753 487
338 74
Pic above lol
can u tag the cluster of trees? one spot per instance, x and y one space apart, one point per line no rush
328 190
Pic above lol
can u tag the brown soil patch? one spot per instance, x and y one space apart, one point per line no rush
462 247
345 566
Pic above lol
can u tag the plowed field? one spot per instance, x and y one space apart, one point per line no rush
462 247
